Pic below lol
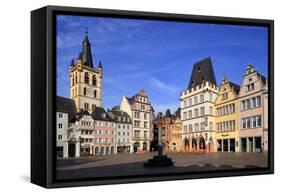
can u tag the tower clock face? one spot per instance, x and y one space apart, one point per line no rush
90 91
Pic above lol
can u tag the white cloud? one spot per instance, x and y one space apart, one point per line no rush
163 107
164 87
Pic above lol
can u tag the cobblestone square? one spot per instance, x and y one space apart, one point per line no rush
132 164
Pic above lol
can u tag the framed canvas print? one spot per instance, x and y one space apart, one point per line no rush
125 96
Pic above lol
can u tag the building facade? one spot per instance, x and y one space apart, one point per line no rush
197 109
175 128
140 110
226 107
253 124
85 79
123 130
104 136
66 146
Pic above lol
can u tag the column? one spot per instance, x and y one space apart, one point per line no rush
247 144
254 144
221 145
228 146
77 149
65 150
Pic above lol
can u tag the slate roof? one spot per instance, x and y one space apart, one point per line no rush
66 105
235 86
202 71
100 114
115 113
86 52
263 78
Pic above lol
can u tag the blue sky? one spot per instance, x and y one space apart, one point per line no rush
156 55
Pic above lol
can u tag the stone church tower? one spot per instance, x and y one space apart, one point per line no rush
85 79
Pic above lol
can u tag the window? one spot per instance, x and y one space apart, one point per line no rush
196 127
184 115
211 97
60 115
248 104
195 100
94 80
145 124
250 87
190 128
189 101
184 103
128 126
145 116
211 110
86 78
185 128
202 111
189 114
258 98
210 125
145 134
60 125
128 133
85 91
76 77
202 126
196 112
224 96
95 93
86 106
59 137
201 97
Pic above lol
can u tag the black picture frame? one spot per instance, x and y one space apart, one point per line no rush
43 87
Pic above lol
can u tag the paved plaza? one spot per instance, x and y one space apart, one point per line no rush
132 164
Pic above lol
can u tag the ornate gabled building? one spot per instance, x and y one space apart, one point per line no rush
226 107
253 113
197 109
141 112
175 132
85 79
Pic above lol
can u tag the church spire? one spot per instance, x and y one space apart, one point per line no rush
86 51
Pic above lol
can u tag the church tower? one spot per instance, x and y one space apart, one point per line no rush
85 79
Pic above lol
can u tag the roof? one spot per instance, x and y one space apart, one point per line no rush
114 113
100 65
66 105
202 71
235 86
100 114
86 52
263 78
168 113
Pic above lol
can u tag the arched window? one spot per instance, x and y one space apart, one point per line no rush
86 78
76 77
85 90
94 80
95 93
72 80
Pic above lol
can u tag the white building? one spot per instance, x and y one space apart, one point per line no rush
65 114
140 110
123 130
197 109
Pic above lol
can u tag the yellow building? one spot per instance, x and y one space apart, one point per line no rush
226 119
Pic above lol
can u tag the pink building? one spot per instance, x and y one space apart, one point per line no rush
104 135
252 116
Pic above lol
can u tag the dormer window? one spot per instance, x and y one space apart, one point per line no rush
103 115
